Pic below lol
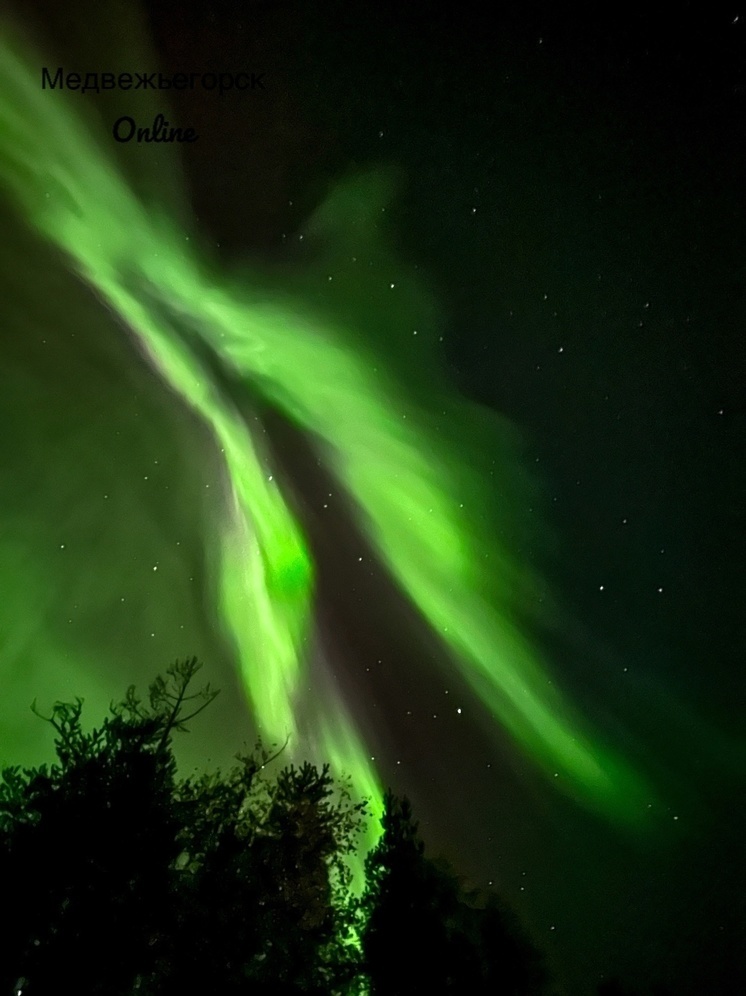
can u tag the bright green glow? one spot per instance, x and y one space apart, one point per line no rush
74 197
417 482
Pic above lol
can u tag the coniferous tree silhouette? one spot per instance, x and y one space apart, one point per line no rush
87 846
121 879
424 934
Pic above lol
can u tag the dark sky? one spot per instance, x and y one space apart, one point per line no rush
574 191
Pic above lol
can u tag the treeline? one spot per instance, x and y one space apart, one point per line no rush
119 878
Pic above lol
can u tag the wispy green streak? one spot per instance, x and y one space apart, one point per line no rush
419 495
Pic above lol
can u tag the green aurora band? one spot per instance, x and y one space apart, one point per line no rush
418 487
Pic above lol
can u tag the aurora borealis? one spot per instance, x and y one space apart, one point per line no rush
164 497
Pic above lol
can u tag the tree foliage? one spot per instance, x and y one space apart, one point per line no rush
121 878
424 933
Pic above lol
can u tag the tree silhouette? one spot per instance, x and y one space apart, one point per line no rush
423 934
259 894
88 845
121 879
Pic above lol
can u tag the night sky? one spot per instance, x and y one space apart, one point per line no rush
572 194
